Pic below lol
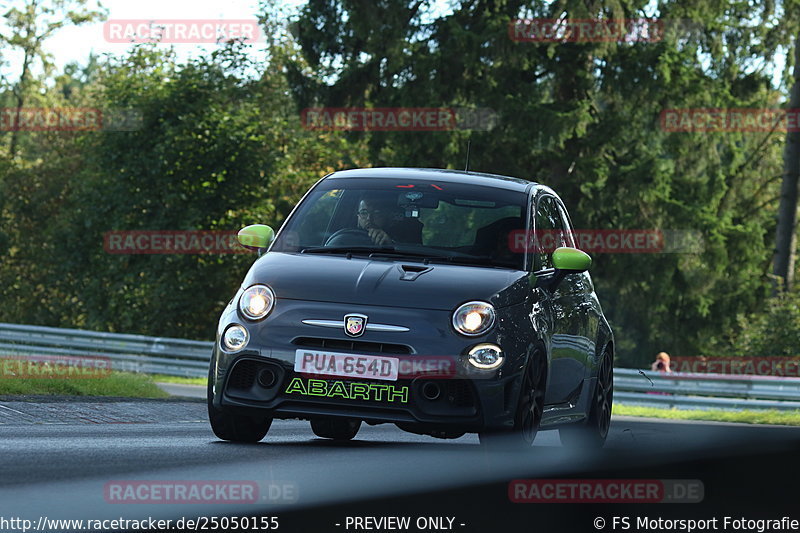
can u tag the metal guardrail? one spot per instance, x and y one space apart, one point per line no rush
705 391
180 357
131 353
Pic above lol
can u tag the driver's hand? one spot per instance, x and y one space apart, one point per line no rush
379 236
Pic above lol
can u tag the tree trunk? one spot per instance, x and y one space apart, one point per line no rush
785 238
20 100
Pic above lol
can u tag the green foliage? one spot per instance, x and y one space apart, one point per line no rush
212 152
117 384
772 331
28 24
220 146
199 156
584 119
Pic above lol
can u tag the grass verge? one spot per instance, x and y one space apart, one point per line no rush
120 384
161 378
783 418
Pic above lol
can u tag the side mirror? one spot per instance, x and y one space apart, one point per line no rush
571 260
256 237
566 260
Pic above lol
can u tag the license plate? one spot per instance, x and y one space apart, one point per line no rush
346 365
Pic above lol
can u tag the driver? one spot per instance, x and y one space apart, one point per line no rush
383 220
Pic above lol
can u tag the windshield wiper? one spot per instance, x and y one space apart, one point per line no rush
372 251
402 253
392 251
480 260
346 249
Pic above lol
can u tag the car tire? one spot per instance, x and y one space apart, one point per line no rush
232 426
594 432
335 428
529 411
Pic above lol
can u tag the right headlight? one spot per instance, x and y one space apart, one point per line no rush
256 302
474 318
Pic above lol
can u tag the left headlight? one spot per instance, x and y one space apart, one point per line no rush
474 318
257 302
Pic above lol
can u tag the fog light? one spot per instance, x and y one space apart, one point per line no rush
234 338
267 378
486 356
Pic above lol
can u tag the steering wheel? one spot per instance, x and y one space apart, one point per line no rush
350 237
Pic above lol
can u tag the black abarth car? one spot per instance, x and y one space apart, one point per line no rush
444 302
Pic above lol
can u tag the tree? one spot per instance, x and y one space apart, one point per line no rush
584 118
28 28
785 238
217 149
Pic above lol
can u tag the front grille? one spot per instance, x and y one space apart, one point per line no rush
352 345
243 375
255 380
459 393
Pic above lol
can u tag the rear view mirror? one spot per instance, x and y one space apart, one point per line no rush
411 199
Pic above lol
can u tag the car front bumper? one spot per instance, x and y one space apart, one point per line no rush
262 377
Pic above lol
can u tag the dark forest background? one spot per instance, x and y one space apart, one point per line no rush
218 144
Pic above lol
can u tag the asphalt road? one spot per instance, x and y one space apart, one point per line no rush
62 459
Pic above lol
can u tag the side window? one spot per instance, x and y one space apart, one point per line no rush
569 233
549 232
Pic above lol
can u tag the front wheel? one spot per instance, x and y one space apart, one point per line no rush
528 416
237 427
335 428
594 432
233 426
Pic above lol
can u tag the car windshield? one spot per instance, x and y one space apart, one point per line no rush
447 222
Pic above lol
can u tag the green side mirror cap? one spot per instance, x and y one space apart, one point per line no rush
255 236
571 259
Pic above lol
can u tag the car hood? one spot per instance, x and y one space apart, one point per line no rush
334 278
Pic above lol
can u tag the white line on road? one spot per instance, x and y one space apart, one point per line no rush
14 410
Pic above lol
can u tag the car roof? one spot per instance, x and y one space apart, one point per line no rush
437 174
